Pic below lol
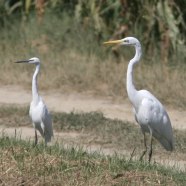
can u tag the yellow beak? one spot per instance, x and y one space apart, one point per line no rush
113 42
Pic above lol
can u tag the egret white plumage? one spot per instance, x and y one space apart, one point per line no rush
38 112
149 112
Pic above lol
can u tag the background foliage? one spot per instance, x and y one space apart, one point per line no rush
160 24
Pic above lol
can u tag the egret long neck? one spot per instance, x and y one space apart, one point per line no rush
35 94
131 90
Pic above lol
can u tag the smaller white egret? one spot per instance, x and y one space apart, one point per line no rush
38 112
149 112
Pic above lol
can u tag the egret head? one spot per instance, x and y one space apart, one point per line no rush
126 41
33 60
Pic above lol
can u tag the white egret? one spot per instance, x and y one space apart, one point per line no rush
38 112
149 112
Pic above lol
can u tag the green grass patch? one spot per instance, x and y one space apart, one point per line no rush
21 163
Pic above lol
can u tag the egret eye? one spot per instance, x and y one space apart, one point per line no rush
126 41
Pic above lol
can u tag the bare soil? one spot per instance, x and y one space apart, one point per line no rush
84 102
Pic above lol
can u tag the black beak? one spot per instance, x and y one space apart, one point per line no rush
23 61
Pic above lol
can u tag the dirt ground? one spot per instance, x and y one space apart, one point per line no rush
85 102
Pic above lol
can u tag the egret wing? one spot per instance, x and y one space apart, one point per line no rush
47 121
151 113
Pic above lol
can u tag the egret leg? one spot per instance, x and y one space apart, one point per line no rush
145 145
36 139
150 152
132 154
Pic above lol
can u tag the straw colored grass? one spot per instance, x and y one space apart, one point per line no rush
73 62
22 164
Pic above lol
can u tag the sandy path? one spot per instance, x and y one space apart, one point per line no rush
85 103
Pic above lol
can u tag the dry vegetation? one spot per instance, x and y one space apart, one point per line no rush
21 164
67 36
71 62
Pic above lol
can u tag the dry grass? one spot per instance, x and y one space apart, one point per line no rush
21 164
72 62
74 72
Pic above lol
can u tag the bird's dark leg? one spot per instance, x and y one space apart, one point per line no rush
150 152
132 154
36 139
145 145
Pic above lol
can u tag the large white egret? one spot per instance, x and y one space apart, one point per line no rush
149 112
38 112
